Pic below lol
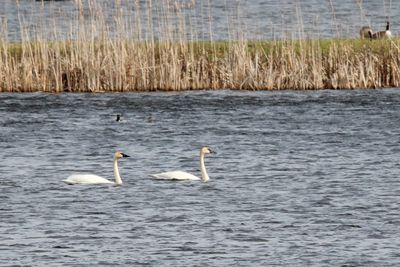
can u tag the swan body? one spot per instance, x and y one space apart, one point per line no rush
95 179
176 175
185 176
86 179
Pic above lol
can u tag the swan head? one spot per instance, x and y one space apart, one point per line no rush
207 150
119 155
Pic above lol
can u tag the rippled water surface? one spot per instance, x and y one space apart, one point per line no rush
256 19
300 179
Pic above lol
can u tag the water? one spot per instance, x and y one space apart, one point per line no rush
300 179
257 19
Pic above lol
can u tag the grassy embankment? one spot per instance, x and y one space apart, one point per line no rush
98 60
121 65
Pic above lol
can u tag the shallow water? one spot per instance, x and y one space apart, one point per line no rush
256 19
300 179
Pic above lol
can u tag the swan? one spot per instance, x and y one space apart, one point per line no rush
382 34
95 179
181 175
366 32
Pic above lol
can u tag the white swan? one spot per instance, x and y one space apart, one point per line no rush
181 175
94 179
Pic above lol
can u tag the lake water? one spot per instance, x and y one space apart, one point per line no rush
256 19
300 179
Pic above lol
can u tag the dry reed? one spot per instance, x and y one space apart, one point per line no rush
128 59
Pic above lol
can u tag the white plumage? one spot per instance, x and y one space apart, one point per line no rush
86 179
175 175
95 179
181 175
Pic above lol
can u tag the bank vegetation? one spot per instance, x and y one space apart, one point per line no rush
96 61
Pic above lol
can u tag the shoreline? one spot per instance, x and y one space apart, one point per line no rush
200 91
106 66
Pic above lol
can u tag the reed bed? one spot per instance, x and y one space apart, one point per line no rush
94 60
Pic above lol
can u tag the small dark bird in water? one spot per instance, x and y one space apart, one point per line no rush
150 119
118 117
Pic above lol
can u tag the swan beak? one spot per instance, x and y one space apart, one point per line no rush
125 155
212 151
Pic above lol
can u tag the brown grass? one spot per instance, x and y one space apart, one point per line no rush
97 63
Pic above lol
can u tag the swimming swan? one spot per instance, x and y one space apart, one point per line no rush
180 175
94 179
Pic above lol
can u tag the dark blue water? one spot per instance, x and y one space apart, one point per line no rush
219 19
300 179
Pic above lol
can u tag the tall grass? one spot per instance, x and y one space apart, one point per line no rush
134 53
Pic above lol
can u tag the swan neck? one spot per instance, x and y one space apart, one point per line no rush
118 179
204 175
